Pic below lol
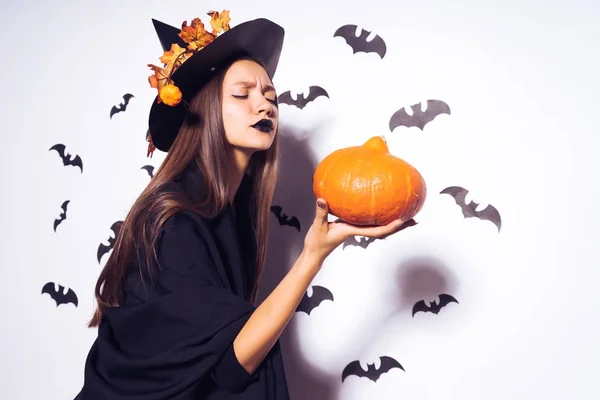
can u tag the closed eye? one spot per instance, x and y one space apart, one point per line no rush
274 102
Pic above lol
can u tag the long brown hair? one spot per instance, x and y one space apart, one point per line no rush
201 142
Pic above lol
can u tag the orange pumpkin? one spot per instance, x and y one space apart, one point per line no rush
170 95
366 185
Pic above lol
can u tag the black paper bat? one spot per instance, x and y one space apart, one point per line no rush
359 43
419 118
149 169
122 106
102 248
60 297
354 368
66 158
490 213
363 242
301 102
319 295
63 215
434 307
284 219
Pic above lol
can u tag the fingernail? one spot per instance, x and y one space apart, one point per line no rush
321 204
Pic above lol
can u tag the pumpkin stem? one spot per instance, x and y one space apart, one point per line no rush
377 143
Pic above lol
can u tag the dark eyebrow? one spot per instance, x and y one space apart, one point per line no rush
252 84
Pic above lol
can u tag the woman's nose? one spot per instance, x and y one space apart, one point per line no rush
265 107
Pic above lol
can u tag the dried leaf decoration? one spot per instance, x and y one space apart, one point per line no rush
176 56
196 37
160 77
219 22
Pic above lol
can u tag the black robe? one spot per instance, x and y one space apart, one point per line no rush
174 339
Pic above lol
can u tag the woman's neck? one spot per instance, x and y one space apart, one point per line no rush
241 161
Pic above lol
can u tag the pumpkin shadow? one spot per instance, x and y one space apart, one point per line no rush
422 278
295 197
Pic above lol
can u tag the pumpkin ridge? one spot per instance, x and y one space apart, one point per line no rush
407 196
372 203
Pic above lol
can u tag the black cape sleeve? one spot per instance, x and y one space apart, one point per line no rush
176 339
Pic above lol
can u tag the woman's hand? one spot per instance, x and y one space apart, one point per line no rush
324 236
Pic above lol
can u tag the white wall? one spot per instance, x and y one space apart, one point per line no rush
521 79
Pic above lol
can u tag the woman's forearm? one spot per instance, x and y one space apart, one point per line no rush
268 321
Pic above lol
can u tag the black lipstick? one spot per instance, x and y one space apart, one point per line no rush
264 125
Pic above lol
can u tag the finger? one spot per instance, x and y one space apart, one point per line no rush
322 211
377 231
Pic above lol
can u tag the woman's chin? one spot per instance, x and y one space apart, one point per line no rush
260 144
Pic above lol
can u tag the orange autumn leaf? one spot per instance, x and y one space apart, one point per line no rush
174 57
160 78
219 22
195 35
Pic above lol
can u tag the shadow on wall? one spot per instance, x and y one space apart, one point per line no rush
295 197
422 278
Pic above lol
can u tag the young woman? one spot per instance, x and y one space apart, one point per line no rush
175 316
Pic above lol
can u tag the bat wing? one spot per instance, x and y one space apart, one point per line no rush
348 33
388 363
149 169
316 91
420 306
355 369
77 162
378 46
49 288
320 294
57 222
437 107
114 110
305 304
351 241
276 210
286 98
458 193
446 299
127 97
294 222
102 250
64 205
60 149
116 227
70 297
400 118
490 213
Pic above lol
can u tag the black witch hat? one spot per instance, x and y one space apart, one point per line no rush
259 39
